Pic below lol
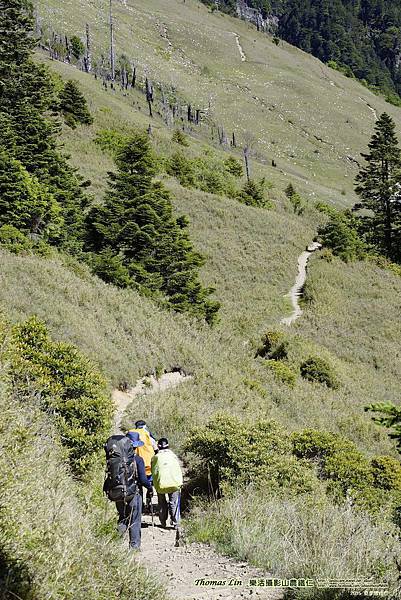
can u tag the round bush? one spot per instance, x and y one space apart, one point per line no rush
282 372
318 370
274 346
386 472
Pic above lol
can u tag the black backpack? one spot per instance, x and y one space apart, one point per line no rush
121 472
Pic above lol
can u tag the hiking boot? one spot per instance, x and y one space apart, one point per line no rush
163 524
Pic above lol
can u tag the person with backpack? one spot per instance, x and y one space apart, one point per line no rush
125 476
167 480
142 425
145 451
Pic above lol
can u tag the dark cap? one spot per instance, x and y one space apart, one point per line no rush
162 444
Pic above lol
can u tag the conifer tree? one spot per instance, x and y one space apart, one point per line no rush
137 224
379 186
253 194
27 92
24 203
72 104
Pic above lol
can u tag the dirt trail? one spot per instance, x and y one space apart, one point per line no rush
296 291
370 107
240 49
179 567
144 386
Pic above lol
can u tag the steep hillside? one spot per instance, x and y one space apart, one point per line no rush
292 105
308 479
363 37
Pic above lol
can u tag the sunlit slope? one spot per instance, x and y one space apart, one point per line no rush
310 119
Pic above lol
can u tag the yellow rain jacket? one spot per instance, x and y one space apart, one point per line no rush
146 451
166 472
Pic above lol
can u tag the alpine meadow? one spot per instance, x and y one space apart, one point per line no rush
200 245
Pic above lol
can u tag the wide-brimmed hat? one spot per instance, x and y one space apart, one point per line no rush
135 439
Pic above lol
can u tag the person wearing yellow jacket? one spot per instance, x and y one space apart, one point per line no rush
146 452
167 481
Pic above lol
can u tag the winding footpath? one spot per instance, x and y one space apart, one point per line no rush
240 49
179 567
296 291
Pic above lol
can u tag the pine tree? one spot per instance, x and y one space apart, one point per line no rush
24 203
253 194
379 186
77 47
27 93
137 225
72 104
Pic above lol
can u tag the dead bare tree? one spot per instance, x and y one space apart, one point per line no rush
112 54
249 144
88 53
149 95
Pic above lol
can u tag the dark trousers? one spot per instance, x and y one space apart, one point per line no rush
169 506
129 514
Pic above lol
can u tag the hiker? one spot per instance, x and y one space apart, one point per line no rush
145 451
123 485
167 480
142 425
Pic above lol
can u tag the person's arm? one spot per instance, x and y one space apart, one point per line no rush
142 477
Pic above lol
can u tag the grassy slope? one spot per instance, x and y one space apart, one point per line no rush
281 95
251 261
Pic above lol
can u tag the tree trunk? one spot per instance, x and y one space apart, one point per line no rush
247 166
112 55
88 56
388 230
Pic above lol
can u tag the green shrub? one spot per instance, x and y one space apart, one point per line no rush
274 346
349 473
349 469
50 543
180 167
109 267
318 370
393 99
282 372
318 445
68 386
235 453
180 138
341 236
233 166
111 141
386 472
14 240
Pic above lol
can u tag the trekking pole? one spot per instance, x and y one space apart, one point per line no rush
153 522
177 512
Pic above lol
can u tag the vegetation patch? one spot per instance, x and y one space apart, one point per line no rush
318 370
68 387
